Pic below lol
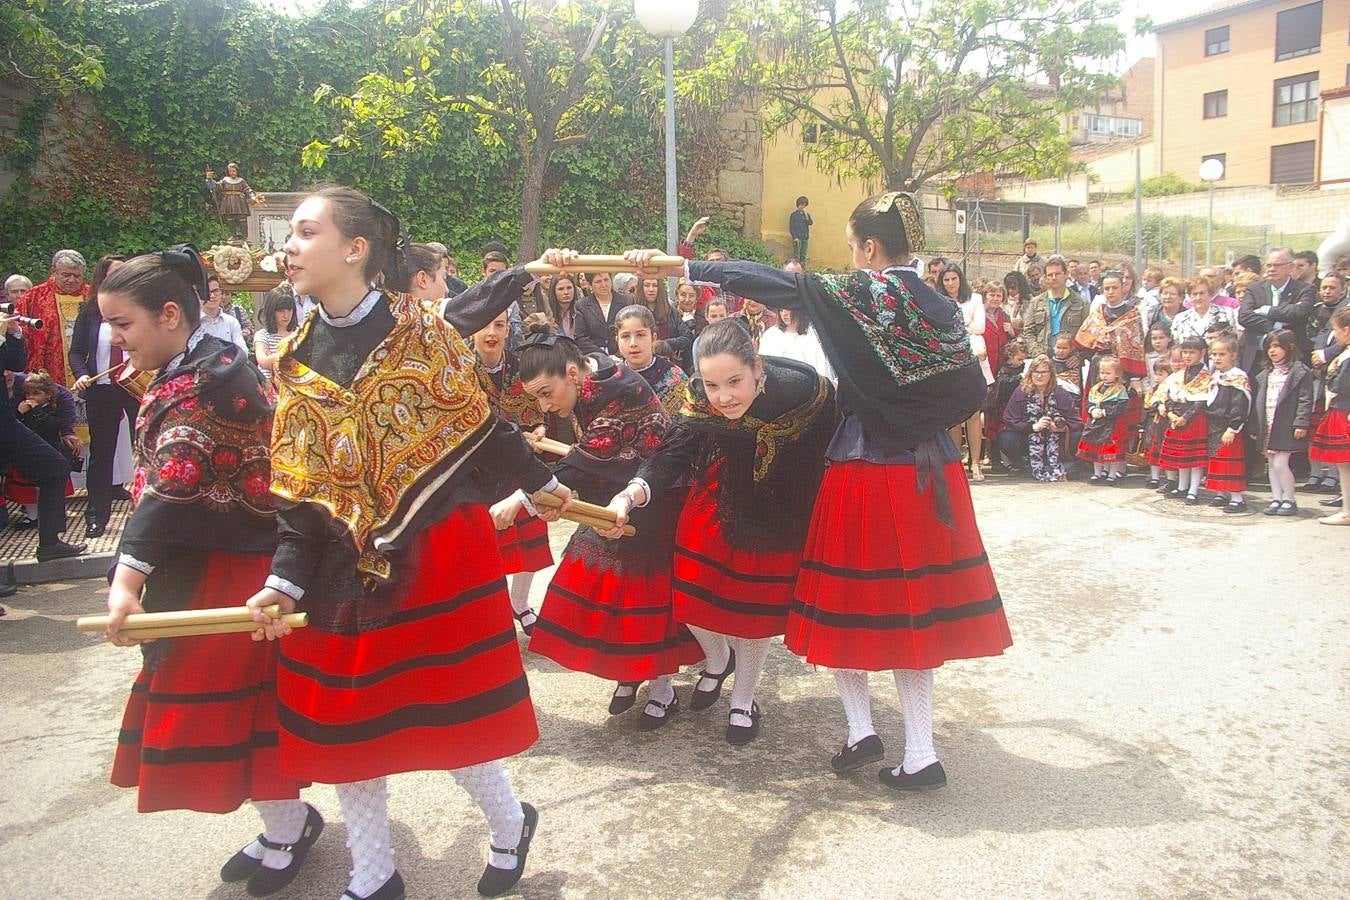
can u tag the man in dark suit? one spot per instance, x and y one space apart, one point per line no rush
1280 301
33 457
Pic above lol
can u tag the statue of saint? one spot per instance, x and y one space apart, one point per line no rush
232 196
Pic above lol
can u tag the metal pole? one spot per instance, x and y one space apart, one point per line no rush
1209 232
672 200
1138 211
1059 216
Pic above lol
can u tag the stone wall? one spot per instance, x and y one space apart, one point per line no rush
734 189
1289 211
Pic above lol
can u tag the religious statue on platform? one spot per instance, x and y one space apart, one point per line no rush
232 196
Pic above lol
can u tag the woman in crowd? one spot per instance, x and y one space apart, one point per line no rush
1203 315
603 301
953 285
872 571
1171 301
794 338
573 318
1041 423
278 323
199 730
1019 295
752 440
652 294
383 447
607 611
48 410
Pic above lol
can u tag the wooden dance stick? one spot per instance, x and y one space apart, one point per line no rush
548 445
584 513
177 619
603 264
295 620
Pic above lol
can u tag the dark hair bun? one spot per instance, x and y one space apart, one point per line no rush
538 328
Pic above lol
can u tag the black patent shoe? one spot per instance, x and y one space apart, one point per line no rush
265 881
855 756
528 628
1152 484
240 866
1192 501
1166 487
1234 507
929 778
391 890
1330 501
1096 479
1218 501
619 704
1288 508
1175 493
648 722
59 550
497 881
738 735
705 699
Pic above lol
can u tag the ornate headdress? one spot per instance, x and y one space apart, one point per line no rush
911 216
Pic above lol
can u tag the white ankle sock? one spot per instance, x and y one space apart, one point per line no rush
1183 480
852 685
626 689
1235 497
283 823
1155 473
1116 469
1099 469
365 807
489 787
750 656
520 592
716 654
916 699
662 690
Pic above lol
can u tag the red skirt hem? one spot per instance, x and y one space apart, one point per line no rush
524 545
1331 441
200 731
1227 469
884 584
1187 448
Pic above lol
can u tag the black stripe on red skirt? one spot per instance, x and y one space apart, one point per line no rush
1331 441
1108 451
723 588
439 686
1227 471
1188 448
884 584
524 546
200 731
614 625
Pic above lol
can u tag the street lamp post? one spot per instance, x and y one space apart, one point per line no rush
1211 170
668 19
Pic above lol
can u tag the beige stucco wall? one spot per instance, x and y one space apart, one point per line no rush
1336 139
1248 72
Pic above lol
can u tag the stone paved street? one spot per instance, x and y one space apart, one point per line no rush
1171 722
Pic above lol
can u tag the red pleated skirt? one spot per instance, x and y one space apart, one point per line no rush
884 585
608 620
1112 449
736 592
20 490
440 686
1187 448
524 545
1331 441
200 731
1153 442
1227 471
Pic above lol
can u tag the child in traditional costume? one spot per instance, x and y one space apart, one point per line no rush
1282 411
385 453
608 609
1155 422
751 439
635 331
900 583
1068 364
1331 443
200 727
1226 412
1186 441
1106 431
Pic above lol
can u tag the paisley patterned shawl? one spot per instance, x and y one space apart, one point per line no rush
1234 378
771 430
202 463
1124 337
1103 393
371 455
1189 390
506 393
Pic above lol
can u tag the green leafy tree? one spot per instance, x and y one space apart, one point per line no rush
540 77
44 58
914 92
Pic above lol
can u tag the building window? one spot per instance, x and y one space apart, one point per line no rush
1298 31
1296 99
1293 163
813 132
1113 126
1216 104
1221 157
1216 40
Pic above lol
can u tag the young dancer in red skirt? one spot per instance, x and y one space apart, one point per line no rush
751 438
1331 442
1107 430
608 608
200 727
1229 405
1155 422
382 446
1186 442
894 575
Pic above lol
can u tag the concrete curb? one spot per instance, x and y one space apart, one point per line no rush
30 571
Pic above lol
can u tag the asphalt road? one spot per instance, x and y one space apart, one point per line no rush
1170 722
